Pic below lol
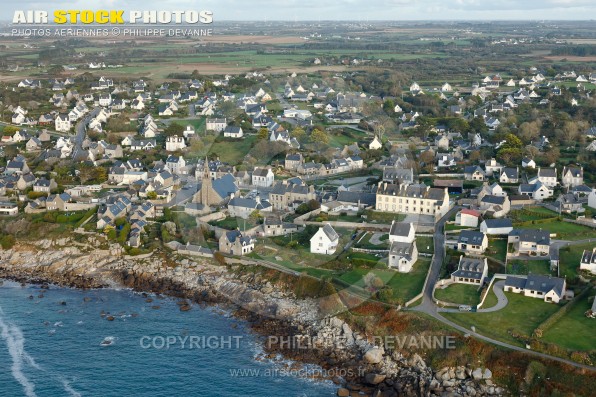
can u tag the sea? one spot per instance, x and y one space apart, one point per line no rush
60 342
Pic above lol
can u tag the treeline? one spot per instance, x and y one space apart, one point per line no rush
584 50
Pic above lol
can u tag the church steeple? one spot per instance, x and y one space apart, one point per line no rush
206 174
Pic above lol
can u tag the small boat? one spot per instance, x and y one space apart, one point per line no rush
107 341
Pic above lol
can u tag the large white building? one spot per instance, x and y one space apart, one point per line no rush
412 199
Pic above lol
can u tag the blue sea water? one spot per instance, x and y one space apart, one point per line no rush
51 349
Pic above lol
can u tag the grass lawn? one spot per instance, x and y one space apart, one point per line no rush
425 244
569 258
232 151
198 124
231 223
497 249
453 226
491 300
345 218
341 137
383 217
463 294
405 286
567 230
526 267
577 324
531 214
522 315
365 243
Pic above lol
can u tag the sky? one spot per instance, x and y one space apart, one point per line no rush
315 10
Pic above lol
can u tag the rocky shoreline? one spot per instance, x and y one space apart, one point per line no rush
349 359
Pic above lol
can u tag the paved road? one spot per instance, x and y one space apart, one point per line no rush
81 133
427 305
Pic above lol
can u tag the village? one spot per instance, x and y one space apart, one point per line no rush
295 173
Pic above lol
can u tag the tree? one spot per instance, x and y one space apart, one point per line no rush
255 216
151 195
263 133
299 134
529 131
389 106
174 129
478 125
319 138
552 155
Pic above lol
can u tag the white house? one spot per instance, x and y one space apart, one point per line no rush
588 261
572 176
470 271
324 241
375 144
233 132
217 125
62 123
472 242
403 252
548 176
538 191
592 199
189 132
174 143
528 163
467 217
263 177
509 175
550 289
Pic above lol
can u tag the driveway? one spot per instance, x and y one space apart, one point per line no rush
501 301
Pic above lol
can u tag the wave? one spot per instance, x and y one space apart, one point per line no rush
15 342
68 388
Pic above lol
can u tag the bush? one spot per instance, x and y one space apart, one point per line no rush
7 241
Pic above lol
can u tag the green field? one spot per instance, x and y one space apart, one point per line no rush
232 151
577 324
405 286
423 242
522 315
497 249
567 230
463 294
231 223
522 267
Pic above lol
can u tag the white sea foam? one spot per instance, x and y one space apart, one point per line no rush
68 388
15 342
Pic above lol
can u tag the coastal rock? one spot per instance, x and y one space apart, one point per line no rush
487 374
343 392
374 379
374 355
477 374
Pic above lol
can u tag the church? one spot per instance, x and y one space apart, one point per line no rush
215 192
